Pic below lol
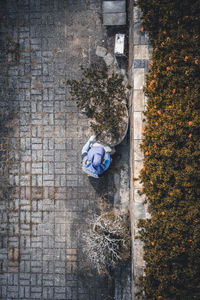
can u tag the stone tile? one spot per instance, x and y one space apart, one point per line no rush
109 59
138 155
138 77
138 100
139 63
114 19
101 51
137 197
139 262
137 14
138 211
114 6
137 123
137 167
141 52
137 33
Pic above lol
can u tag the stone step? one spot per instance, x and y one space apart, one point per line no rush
114 19
114 12
114 6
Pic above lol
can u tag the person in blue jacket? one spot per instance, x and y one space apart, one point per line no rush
95 158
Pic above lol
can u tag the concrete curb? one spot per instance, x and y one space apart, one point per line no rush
139 58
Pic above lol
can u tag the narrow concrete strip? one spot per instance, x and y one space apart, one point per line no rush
139 55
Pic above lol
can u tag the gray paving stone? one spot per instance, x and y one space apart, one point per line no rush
50 192
114 6
114 19
109 59
101 51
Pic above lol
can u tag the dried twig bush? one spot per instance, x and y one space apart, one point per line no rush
108 242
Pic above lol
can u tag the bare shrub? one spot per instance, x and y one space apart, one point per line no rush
107 241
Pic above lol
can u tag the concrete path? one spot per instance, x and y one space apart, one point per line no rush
45 198
139 59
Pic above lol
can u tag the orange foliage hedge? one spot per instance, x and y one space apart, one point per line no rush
171 173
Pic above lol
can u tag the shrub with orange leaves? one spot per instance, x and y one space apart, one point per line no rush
143 129
173 142
152 82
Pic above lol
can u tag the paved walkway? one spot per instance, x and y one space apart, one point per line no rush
44 196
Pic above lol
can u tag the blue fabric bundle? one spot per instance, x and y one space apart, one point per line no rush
95 158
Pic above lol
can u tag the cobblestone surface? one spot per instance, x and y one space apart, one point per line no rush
44 196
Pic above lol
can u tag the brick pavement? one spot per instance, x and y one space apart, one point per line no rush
44 196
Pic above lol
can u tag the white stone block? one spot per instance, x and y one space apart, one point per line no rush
119 44
141 52
138 79
137 124
138 100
